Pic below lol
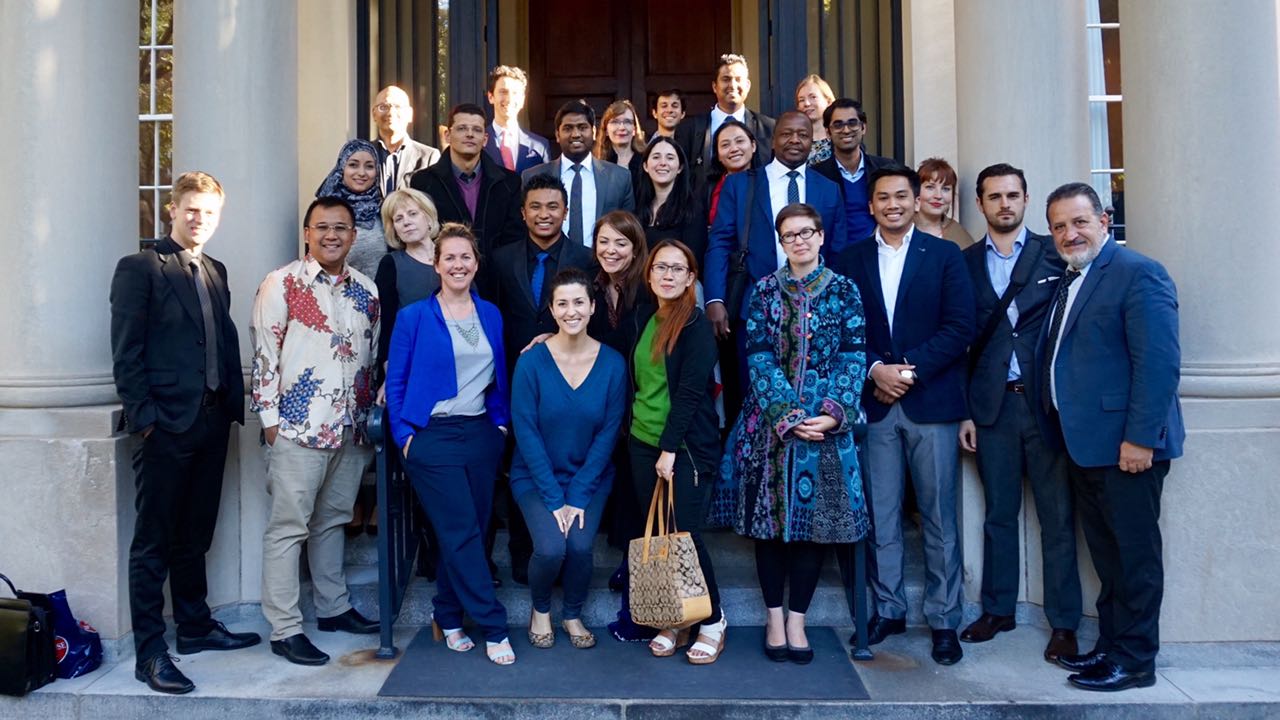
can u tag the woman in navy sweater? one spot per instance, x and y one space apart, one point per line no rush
569 395
447 398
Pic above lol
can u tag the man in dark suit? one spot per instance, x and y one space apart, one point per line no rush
509 145
919 317
732 85
595 187
522 274
850 165
176 361
1108 392
467 186
1014 274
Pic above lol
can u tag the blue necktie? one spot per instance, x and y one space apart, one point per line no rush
575 206
539 274
793 188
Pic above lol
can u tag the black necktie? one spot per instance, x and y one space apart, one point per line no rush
1055 328
575 206
212 378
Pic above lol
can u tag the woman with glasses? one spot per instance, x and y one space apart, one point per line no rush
674 433
790 477
354 178
665 202
620 139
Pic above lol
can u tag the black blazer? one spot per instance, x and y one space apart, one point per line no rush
157 341
1041 267
693 135
509 274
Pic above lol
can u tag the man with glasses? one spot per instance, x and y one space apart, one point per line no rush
401 156
850 164
732 85
315 338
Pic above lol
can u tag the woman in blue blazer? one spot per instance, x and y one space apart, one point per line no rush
447 398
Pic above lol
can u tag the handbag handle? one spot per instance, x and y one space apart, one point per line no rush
9 582
659 519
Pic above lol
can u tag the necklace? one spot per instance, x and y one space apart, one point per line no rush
470 333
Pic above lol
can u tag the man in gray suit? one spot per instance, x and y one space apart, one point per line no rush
1014 274
595 186
401 155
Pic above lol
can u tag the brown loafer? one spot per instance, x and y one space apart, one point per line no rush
986 627
1061 642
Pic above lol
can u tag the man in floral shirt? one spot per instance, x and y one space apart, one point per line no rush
315 334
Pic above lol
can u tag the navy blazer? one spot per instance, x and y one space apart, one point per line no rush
1118 363
421 372
534 149
762 253
1040 268
932 325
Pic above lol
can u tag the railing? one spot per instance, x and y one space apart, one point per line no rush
397 531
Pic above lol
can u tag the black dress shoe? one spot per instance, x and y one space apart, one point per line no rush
880 628
1081 663
160 675
1107 676
946 647
219 638
350 622
298 650
987 626
1062 643
800 656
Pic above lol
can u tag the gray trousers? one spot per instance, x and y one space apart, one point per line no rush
1007 450
932 453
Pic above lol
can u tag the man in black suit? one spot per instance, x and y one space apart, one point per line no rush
1014 274
850 165
176 361
468 187
522 273
731 86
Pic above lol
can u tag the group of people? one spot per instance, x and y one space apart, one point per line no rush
781 327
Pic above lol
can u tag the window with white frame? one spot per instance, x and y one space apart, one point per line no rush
155 115
1106 138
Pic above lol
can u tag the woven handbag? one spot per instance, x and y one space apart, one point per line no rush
667 586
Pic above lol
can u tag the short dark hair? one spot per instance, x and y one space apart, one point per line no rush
507 71
797 210
543 181
467 109
999 170
894 170
1074 189
328 201
843 103
653 104
731 59
576 107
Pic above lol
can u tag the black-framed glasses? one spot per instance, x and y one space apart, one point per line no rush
845 124
790 237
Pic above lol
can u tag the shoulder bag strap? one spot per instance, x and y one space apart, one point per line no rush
1016 284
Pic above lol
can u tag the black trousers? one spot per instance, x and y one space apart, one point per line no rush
691 504
778 562
1120 514
178 477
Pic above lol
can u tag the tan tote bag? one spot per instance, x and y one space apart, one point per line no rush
667 586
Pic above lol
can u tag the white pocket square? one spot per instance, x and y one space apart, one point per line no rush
1048 279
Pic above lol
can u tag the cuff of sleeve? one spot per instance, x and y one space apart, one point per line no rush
269 417
835 410
788 422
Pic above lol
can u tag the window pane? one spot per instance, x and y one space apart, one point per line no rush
144 82
164 82
164 21
1111 59
442 53
1115 134
146 214
146 153
144 23
1109 11
166 152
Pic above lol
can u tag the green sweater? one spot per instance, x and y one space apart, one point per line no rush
653 402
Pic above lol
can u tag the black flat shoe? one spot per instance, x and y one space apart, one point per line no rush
349 622
776 653
160 675
1082 663
1106 676
800 656
219 638
880 628
298 650
946 647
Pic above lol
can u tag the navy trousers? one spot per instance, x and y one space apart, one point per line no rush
553 551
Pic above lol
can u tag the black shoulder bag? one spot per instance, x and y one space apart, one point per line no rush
739 278
27 659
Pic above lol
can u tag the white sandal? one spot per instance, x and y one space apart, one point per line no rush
712 645
453 638
505 656
664 644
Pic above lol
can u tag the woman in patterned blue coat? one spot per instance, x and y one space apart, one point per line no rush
790 476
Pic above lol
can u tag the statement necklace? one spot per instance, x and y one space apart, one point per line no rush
471 332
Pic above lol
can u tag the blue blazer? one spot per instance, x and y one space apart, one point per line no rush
762 255
933 325
420 369
533 151
1118 363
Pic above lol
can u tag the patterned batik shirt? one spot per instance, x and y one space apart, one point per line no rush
315 339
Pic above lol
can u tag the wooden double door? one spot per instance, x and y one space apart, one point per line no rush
602 50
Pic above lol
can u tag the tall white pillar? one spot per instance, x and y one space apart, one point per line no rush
69 159
1201 88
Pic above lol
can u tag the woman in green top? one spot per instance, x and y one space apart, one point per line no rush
674 434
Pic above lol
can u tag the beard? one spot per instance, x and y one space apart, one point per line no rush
1080 259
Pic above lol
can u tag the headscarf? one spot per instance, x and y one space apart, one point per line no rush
366 204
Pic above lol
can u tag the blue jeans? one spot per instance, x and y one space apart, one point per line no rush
553 551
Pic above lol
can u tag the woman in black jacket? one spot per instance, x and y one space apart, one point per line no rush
674 430
665 201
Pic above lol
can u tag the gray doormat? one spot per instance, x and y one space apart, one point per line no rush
615 670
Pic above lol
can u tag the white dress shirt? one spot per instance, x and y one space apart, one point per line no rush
776 173
1072 291
588 218
718 117
892 261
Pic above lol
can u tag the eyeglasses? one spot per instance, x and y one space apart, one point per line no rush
805 234
622 122
661 269
386 107
324 229
846 124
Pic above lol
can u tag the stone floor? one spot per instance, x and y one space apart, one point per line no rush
1005 678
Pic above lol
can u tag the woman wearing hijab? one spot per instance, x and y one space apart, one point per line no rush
354 178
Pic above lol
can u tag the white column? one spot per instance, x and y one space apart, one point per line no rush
929 57
1022 97
69 159
1202 165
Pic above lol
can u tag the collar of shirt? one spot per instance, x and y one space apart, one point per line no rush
532 249
885 248
566 169
719 116
383 146
862 164
457 173
1017 245
311 271
776 171
508 136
